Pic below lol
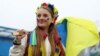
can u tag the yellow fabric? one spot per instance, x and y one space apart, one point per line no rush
81 34
43 49
30 50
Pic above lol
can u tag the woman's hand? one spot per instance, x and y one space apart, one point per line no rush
19 34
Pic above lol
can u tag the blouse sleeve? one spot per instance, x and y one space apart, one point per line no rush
18 50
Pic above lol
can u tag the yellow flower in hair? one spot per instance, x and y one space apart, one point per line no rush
55 12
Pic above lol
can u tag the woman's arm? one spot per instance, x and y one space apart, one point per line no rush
18 50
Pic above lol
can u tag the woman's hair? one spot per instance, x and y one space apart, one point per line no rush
51 30
40 39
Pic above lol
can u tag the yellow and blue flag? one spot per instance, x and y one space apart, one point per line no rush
77 34
61 27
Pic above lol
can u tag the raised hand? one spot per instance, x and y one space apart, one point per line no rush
19 34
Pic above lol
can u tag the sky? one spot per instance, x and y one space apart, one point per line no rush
20 14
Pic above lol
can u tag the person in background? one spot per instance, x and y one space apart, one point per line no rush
44 40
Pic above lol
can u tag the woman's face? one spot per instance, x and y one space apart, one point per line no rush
43 18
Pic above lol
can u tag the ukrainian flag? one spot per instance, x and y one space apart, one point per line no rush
61 27
77 34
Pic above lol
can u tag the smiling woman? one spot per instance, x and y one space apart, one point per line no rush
44 40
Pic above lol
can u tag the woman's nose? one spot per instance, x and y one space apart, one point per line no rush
41 17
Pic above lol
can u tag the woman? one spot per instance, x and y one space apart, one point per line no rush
44 40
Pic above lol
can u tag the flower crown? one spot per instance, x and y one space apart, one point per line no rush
51 8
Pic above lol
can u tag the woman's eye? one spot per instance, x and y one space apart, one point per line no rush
38 15
45 15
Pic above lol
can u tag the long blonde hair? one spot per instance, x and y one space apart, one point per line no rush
40 40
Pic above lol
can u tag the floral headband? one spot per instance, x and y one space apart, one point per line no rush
50 8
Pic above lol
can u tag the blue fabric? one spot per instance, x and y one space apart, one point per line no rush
31 38
62 31
5 44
